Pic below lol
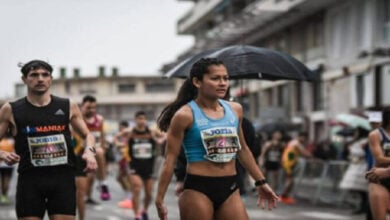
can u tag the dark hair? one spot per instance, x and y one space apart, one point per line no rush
124 123
89 98
187 91
386 117
139 113
34 65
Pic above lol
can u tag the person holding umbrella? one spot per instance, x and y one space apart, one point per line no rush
209 130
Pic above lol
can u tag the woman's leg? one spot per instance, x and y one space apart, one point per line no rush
379 200
195 205
233 208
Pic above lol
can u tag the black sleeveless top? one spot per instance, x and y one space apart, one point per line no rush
43 137
141 147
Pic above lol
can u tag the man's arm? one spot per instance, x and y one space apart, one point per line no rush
78 124
102 138
5 122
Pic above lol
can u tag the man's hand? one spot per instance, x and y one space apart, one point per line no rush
9 158
90 160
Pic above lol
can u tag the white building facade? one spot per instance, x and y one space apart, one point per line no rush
347 42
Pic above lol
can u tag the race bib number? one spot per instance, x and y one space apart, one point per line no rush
142 150
221 144
274 156
48 150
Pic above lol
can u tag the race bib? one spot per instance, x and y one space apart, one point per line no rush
142 150
48 150
221 143
274 156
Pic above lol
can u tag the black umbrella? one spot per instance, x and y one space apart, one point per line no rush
249 62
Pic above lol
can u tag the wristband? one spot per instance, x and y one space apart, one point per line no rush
260 182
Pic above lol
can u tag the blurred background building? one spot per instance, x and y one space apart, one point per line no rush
347 42
118 97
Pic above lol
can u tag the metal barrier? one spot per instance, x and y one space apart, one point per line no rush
318 181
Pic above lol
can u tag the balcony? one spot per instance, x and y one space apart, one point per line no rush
260 18
196 15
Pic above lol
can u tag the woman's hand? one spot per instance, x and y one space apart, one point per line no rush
161 210
377 173
267 195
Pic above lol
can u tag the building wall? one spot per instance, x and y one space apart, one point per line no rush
339 38
150 94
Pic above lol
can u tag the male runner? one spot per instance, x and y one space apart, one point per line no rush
39 123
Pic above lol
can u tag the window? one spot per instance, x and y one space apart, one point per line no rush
126 88
160 86
360 90
298 96
386 19
283 96
318 103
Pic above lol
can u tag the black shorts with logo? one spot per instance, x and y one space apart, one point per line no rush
47 188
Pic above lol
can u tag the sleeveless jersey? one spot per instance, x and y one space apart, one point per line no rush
290 155
95 127
142 148
274 153
43 137
211 139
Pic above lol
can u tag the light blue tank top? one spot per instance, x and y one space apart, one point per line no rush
212 139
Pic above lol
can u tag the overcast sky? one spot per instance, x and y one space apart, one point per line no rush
137 36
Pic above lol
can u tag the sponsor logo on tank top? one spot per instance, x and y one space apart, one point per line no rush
43 129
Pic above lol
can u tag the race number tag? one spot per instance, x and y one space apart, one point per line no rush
142 150
221 143
48 150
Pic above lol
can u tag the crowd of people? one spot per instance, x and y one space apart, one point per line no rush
61 148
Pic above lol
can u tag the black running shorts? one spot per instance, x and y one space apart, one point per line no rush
49 188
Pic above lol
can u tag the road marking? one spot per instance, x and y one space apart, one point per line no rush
8 214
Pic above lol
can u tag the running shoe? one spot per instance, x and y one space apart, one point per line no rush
90 201
145 216
288 200
126 204
104 192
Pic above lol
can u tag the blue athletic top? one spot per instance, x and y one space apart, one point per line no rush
212 139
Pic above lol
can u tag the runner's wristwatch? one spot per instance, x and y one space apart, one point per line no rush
260 182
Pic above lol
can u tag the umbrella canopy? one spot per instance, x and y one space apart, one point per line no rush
249 62
354 121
